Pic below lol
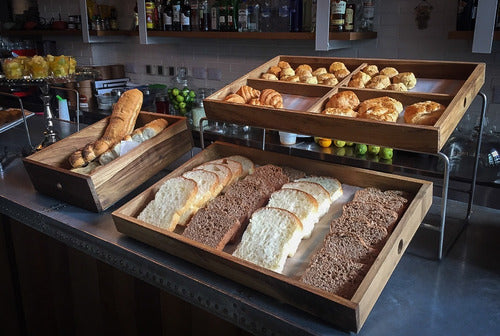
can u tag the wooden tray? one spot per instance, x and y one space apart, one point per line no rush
49 171
347 314
459 81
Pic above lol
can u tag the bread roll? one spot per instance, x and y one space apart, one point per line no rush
325 76
340 111
319 71
269 76
397 87
305 67
234 98
248 92
407 78
336 66
271 97
287 72
292 79
379 82
331 81
362 77
302 72
371 70
356 83
389 72
424 113
311 80
275 70
341 74
382 108
344 99
284 65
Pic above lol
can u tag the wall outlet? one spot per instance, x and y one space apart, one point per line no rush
149 69
160 70
214 74
199 73
171 71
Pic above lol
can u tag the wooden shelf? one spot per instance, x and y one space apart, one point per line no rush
113 33
263 36
468 35
40 32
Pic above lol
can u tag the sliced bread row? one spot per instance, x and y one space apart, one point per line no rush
179 198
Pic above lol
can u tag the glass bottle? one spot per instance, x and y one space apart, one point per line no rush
337 15
150 7
167 15
265 16
368 14
295 15
232 14
176 15
253 8
306 15
186 16
194 15
222 15
350 14
313 15
203 16
283 20
243 16
214 16
198 110
158 17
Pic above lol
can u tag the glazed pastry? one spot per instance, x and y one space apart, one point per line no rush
424 113
371 70
234 98
247 93
389 72
407 78
254 101
271 97
343 99
379 82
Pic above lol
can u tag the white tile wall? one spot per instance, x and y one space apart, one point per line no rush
398 37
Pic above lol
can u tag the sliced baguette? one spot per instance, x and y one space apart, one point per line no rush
269 237
331 185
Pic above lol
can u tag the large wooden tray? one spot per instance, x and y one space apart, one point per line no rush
49 171
346 314
454 83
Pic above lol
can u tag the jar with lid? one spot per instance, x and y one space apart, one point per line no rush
337 15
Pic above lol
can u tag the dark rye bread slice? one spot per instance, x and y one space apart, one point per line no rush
213 228
271 174
391 199
373 212
350 246
372 235
335 275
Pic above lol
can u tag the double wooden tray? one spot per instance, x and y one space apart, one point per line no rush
50 172
347 314
454 84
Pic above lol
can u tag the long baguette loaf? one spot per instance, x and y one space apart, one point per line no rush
121 123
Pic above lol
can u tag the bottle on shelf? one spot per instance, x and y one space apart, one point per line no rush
368 15
176 15
295 15
350 14
214 16
283 19
243 16
194 19
265 16
150 7
337 15
253 8
167 15
232 15
157 15
203 16
306 15
222 15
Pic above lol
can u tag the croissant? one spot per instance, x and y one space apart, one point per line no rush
271 97
248 92
234 98
254 101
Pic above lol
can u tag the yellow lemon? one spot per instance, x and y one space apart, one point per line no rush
324 142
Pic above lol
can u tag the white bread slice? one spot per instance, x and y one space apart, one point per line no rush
316 190
331 185
173 198
247 164
301 204
235 167
269 237
207 183
222 171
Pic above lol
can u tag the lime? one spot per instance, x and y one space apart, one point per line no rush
349 151
175 91
360 149
183 111
341 151
192 94
373 149
179 98
185 92
386 153
182 105
169 91
339 143
349 144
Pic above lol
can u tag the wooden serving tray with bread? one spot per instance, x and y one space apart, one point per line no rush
305 95
246 228
63 172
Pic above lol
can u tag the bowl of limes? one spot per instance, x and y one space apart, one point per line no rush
181 100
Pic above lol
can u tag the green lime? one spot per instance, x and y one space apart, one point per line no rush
373 149
175 91
339 143
349 144
360 149
349 151
189 99
340 151
192 94
386 153
185 92
183 111
180 98
169 91
182 105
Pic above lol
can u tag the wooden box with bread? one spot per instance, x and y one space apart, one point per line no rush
105 161
324 238
432 98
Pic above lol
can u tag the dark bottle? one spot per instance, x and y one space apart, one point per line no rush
204 17
214 16
337 15
167 15
350 14
295 15
194 20
222 15
465 11
186 16
176 15
157 16
232 13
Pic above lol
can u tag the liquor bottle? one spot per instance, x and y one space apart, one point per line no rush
253 8
186 16
306 15
204 21
243 16
313 15
283 20
194 15
231 16
214 16
265 16
337 15
150 7
295 15
222 15
368 14
176 15
350 13
167 15
157 16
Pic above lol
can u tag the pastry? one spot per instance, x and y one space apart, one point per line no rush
424 113
382 108
302 71
121 123
330 81
234 98
275 70
325 76
284 65
287 72
319 71
254 101
304 67
341 74
292 79
271 97
269 76
379 82
389 72
305 76
407 78
247 93
343 99
336 66
356 83
397 87
362 77
340 111
311 80
371 70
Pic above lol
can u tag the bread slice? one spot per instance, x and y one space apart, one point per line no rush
372 235
334 275
391 199
173 198
235 167
349 246
373 212
247 164
301 204
292 173
316 190
269 237
212 227
233 206
222 171
331 185
271 174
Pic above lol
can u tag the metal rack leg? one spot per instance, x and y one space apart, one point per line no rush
444 202
477 154
77 103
